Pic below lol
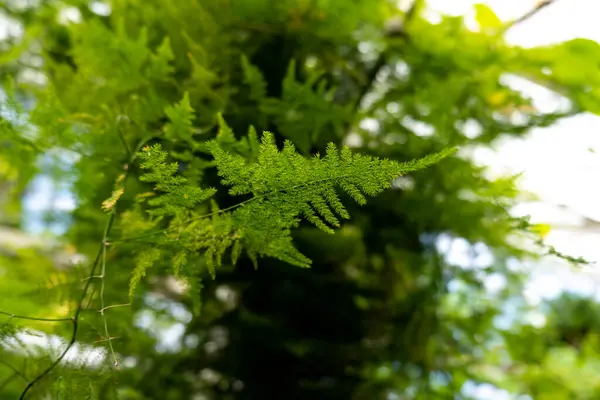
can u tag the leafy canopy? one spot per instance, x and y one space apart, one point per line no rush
135 114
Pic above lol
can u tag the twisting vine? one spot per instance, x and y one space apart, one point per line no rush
100 259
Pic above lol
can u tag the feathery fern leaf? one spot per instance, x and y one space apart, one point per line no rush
145 261
214 237
181 117
286 186
160 67
255 80
177 195
305 109
248 146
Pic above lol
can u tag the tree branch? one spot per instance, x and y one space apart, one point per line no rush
540 6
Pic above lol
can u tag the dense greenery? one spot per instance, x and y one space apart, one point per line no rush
216 149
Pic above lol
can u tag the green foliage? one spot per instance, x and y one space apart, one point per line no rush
254 79
181 117
160 67
303 111
284 187
486 18
176 195
145 261
138 109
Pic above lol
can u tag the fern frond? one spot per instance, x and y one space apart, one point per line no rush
225 135
179 261
145 261
196 286
248 146
160 67
181 117
214 237
287 186
305 109
255 80
177 195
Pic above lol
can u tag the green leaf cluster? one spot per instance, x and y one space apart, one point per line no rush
209 138
284 187
176 195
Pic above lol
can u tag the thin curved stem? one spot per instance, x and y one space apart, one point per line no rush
121 135
75 318
15 316
103 308
16 371
88 284
8 380
540 6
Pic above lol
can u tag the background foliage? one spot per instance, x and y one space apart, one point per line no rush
382 313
